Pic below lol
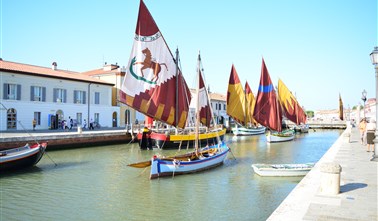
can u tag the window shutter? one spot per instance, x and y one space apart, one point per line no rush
18 91
75 96
44 94
5 92
97 98
32 93
65 95
55 96
84 97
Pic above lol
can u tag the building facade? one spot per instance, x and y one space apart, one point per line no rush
52 96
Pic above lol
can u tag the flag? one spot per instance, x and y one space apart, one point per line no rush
267 109
152 76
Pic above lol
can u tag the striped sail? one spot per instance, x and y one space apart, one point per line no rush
152 76
267 109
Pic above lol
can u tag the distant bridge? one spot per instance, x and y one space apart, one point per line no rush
323 124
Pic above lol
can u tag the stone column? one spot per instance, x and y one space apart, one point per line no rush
330 179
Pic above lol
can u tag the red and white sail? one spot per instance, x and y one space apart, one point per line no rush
153 84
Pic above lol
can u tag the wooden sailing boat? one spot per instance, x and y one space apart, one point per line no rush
198 160
155 91
154 86
268 111
240 106
291 108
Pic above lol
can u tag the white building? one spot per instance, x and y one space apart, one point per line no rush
218 105
50 95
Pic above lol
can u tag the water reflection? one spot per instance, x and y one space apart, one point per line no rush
96 184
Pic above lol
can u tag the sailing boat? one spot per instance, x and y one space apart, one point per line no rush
240 106
198 160
154 86
153 91
268 111
291 108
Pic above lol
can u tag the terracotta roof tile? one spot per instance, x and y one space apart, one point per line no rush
47 72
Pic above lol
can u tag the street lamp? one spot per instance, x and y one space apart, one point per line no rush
374 61
363 98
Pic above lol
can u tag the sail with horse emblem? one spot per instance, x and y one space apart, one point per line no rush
152 76
154 86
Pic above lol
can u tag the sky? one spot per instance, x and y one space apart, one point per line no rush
318 48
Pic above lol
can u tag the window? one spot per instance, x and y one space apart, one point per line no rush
97 118
60 95
97 97
11 118
79 97
12 92
37 93
37 117
224 107
79 117
220 107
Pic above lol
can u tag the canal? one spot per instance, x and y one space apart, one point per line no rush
96 183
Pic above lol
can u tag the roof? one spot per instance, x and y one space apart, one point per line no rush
28 69
213 96
107 69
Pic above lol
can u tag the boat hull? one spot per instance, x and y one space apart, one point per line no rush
182 141
243 131
276 137
162 167
21 157
282 170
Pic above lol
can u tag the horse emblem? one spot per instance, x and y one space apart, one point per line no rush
149 63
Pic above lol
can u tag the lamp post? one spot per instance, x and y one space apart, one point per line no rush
363 98
374 61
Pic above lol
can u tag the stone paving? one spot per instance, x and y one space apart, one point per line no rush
358 195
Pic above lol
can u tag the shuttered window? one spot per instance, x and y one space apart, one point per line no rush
38 93
60 95
12 92
79 97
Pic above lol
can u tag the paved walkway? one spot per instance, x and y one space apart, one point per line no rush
358 196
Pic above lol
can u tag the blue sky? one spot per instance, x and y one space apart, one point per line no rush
319 48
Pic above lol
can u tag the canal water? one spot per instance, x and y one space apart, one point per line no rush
96 183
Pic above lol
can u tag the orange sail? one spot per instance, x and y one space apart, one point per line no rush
153 83
250 105
267 109
291 108
236 98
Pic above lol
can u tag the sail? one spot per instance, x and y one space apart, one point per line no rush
341 108
236 98
153 84
267 109
205 111
250 105
291 108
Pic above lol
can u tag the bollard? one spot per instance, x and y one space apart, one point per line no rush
330 179
79 130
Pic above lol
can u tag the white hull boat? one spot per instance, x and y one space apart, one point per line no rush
282 169
275 137
244 131
215 156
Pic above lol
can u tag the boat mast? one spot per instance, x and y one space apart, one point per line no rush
197 104
176 101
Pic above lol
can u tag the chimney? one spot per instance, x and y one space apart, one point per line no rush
54 65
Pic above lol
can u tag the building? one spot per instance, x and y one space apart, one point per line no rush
52 96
